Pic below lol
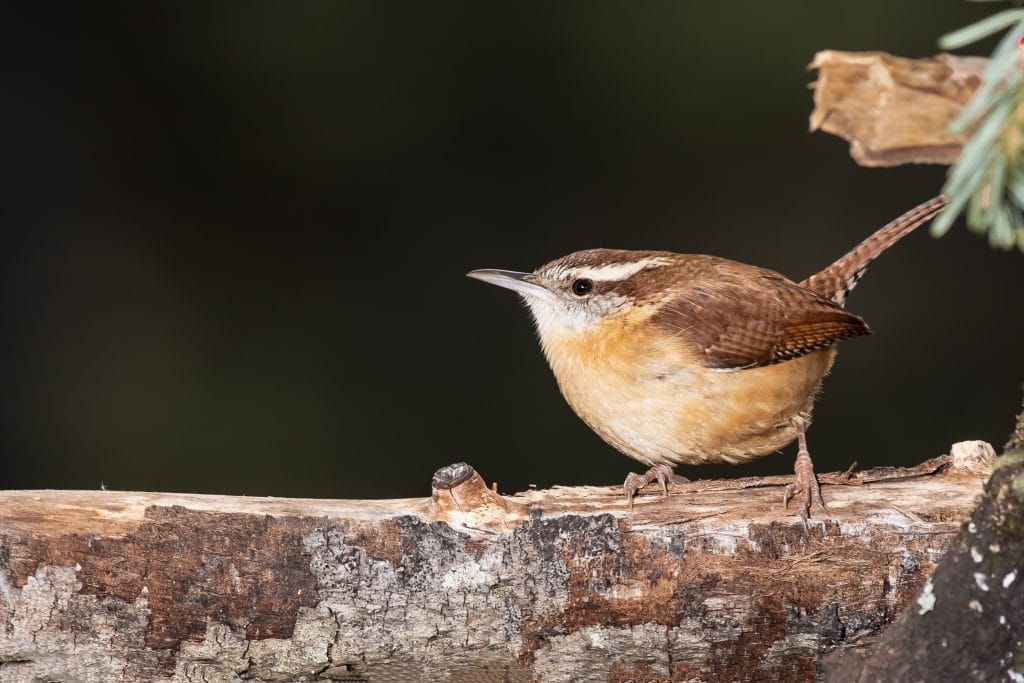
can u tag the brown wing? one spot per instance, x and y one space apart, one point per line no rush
742 316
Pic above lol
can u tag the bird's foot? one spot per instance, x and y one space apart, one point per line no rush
805 488
662 473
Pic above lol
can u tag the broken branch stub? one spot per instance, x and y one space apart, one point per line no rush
894 110
715 582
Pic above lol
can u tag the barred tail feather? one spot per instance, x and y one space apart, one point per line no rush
839 279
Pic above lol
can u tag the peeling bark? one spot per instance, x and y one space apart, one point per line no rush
716 582
894 110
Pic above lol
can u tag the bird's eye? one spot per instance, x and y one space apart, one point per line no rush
582 287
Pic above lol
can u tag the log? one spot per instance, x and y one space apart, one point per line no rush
714 582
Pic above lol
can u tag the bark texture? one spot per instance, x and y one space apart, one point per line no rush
967 623
894 110
716 582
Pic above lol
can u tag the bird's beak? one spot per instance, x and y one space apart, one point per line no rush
509 279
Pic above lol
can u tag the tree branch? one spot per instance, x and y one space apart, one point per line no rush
717 581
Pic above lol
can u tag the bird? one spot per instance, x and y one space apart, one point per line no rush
695 359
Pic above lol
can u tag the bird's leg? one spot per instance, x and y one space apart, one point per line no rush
661 473
805 485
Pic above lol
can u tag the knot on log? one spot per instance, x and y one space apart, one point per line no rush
461 498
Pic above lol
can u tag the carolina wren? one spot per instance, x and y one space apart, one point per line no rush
685 358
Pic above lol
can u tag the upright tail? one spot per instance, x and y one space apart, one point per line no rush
839 279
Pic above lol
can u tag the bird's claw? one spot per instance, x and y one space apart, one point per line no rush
804 488
661 473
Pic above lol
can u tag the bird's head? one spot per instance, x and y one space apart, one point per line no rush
571 295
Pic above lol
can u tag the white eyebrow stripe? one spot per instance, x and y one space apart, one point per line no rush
614 272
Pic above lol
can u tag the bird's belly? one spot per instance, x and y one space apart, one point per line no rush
691 414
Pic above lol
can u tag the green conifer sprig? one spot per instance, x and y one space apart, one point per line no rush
988 179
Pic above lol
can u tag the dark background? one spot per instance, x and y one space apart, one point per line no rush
236 234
